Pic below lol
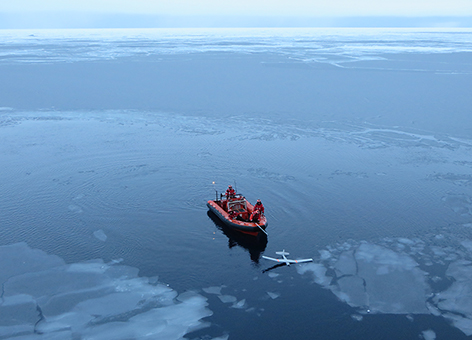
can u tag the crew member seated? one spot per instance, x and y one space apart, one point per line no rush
255 216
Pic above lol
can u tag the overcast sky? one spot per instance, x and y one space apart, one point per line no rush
55 13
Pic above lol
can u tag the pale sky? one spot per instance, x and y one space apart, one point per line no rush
26 12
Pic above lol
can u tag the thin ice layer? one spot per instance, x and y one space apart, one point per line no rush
387 278
43 295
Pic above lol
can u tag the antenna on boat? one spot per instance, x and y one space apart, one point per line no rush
216 191
235 187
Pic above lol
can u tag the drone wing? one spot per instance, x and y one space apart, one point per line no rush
300 261
272 259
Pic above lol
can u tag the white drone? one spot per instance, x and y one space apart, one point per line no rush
284 259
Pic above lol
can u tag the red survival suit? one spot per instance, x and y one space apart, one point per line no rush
230 192
257 212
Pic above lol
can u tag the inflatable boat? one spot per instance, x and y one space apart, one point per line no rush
235 212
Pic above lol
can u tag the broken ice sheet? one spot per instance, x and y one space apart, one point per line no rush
387 279
377 279
457 299
42 294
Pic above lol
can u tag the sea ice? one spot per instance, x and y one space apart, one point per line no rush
428 334
386 279
273 295
319 272
376 278
346 264
213 290
351 289
100 234
240 304
18 258
93 300
357 317
393 281
456 302
227 298
324 254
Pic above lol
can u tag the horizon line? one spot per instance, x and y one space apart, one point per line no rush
97 20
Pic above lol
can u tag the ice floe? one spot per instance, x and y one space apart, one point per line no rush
43 297
213 290
273 295
428 334
402 276
228 299
100 235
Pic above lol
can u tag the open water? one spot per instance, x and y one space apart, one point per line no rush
357 141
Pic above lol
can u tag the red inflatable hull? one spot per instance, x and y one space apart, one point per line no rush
242 224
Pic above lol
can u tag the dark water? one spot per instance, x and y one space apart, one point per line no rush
362 164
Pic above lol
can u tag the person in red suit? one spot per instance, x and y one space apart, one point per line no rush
257 212
230 192
259 206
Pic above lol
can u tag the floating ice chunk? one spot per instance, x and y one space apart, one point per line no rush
100 234
429 334
325 254
357 317
92 300
273 295
227 298
240 304
273 275
213 290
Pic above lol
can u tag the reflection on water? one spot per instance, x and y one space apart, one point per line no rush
110 188
254 245
361 167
